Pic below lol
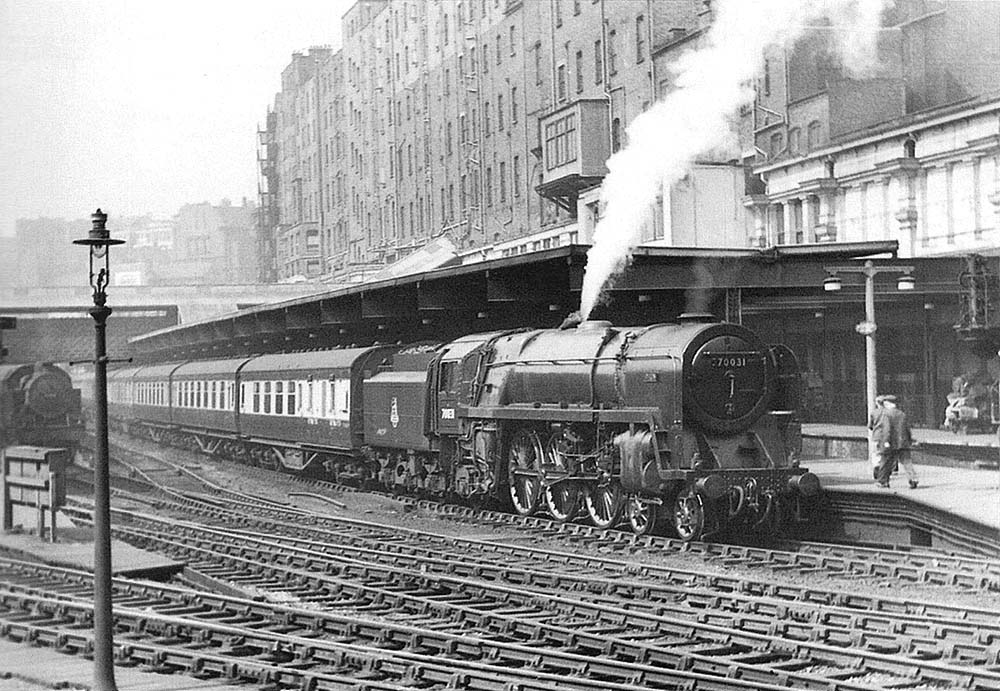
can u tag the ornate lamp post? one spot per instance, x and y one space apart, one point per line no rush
99 241
868 327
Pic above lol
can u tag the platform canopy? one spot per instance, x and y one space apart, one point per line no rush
534 290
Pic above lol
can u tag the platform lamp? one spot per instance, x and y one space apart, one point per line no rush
868 327
99 241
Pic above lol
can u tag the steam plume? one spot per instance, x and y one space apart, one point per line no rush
711 84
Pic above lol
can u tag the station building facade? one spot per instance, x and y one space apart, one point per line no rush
486 123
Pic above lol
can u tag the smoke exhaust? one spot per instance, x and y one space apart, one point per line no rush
710 85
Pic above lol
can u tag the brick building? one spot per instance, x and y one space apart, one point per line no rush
480 120
488 122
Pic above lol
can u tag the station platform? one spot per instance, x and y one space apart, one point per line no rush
75 550
952 508
26 667
933 446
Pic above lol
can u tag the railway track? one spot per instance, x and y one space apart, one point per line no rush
177 630
563 619
896 648
914 566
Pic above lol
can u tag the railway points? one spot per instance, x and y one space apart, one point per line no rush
36 668
431 607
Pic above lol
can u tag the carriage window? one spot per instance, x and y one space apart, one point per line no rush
256 397
317 398
290 387
279 398
244 403
299 387
342 399
213 400
267 397
330 404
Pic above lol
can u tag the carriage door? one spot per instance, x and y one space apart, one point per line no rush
448 385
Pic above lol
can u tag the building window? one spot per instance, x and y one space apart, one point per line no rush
794 140
486 58
473 68
486 119
560 141
598 62
640 38
513 104
500 112
616 135
612 53
517 176
489 186
558 13
447 82
444 27
561 82
813 135
503 181
579 71
776 144
767 77
576 7
513 44
499 58
538 62
447 138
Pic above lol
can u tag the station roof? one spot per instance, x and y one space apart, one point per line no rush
531 290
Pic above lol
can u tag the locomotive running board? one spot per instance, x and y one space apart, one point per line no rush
554 411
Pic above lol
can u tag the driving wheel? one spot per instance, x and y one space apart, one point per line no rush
562 497
524 471
604 502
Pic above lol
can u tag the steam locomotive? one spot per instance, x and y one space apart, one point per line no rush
692 421
39 406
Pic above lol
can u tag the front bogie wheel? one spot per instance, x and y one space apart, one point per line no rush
688 515
642 515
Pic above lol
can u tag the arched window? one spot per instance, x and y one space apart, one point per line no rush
813 135
795 141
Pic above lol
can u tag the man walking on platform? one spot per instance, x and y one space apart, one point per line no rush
893 439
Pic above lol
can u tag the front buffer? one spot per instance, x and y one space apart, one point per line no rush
703 501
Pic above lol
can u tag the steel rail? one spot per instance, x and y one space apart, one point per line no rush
911 565
716 630
516 555
177 613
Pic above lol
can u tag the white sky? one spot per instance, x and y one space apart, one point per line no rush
141 106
